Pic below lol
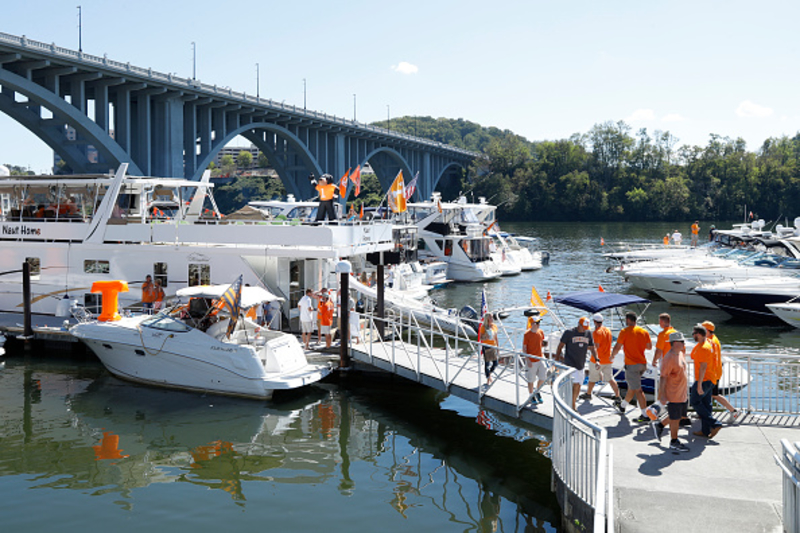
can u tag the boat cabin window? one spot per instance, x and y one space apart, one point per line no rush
35 266
199 274
448 247
94 266
166 323
160 273
477 249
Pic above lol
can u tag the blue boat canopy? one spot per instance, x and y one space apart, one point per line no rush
596 301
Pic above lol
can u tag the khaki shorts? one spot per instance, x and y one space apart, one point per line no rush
306 326
633 376
537 371
605 373
325 330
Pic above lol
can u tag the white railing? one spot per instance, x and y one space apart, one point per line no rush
788 460
582 457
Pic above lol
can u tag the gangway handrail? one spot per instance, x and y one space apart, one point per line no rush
788 459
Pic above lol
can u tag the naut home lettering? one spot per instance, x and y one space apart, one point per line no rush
20 230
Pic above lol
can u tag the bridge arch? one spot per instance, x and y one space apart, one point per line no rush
448 168
52 131
386 163
284 151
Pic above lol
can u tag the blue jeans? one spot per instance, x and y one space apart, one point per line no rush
490 366
702 406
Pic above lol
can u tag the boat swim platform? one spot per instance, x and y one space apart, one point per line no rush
729 483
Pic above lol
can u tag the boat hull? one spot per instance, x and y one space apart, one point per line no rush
788 312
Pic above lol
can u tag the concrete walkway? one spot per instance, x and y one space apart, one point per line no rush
730 483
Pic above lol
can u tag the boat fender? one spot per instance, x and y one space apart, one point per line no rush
502 315
110 299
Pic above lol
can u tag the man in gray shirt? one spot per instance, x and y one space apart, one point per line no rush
577 341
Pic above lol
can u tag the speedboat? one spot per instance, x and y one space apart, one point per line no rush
750 298
789 312
190 348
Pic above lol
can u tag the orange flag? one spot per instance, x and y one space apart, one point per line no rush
600 288
602 242
361 214
548 296
343 184
356 179
397 197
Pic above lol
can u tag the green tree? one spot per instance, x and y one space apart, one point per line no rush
244 159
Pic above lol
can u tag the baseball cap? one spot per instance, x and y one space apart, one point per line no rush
583 321
676 336
708 325
597 317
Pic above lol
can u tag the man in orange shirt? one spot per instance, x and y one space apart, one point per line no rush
716 394
672 390
600 367
327 192
148 295
695 231
635 340
704 379
532 343
325 312
662 341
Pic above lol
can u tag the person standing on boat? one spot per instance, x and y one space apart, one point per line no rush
666 239
635 341
326 318
672 391
677 237
148 295
695 231
575 343
306 317
327 193
488 336
600 366
716 394
536 369
158 296
662 341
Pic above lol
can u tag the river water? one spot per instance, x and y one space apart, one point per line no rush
82 450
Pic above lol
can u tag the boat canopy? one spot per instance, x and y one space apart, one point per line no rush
596 301
250 295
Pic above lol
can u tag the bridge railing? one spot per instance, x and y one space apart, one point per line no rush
199 86
788 459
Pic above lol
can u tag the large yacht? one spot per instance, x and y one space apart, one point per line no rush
74 230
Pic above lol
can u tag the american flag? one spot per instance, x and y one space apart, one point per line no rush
484 310
411 187
233 299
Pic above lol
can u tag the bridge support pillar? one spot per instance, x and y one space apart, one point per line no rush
168 134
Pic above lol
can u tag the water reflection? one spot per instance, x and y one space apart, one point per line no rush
382 451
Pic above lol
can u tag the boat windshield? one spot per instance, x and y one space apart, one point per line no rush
166 323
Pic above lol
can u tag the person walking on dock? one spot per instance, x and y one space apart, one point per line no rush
662 341
704 380
600 367
536 369
488 337
635 341
716 394
306 317
575 343
326 318
672 391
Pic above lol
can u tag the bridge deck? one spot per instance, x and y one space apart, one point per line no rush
730 483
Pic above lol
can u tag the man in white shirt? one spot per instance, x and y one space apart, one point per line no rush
306 317
677 238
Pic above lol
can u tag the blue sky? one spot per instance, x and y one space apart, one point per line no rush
544 70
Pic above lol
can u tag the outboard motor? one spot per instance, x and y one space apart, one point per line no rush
468 313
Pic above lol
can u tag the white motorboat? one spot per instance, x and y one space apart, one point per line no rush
188 348
789 312
749 298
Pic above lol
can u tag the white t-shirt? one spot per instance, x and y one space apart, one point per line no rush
306 309
677 237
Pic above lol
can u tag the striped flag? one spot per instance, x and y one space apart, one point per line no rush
411 187
232 298
484 310
356 179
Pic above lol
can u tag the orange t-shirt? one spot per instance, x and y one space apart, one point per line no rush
602 343
634 340
532 343
148 293
489 336
714 340
662 342
704 353
695 229
326 313
326 191
673 375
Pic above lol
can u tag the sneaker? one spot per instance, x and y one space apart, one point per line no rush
617 400
585 396
678 446
714 432
642 419
539 398
620 408
699 434
734 416
658 429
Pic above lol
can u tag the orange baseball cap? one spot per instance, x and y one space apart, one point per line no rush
708 325
583 321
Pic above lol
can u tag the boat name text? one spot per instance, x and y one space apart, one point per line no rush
20 230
